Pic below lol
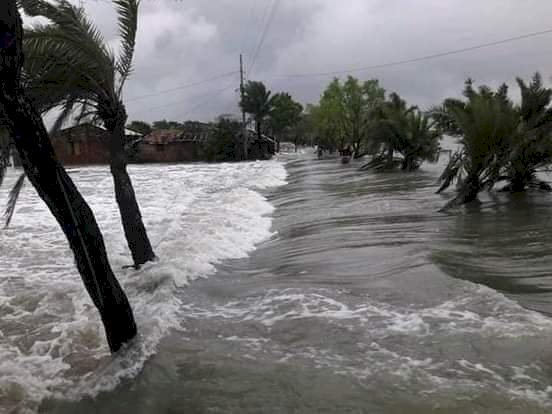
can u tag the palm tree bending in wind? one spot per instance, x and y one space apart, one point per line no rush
69 65
55 187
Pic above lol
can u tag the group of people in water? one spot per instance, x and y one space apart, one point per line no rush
346 153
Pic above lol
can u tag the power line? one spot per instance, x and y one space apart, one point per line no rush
264 33
206 101
417 59
258 24
248 23
203 102
190 85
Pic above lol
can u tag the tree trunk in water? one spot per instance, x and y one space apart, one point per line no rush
131 218
467 193
470 189
56 188
389 163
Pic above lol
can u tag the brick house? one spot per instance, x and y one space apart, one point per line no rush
81 144
168 145
85 144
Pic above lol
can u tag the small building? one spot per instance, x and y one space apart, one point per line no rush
167 146
81 145
86 144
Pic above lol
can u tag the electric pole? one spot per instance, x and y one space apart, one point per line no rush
242 92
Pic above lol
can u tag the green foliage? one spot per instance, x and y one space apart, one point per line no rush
532 147
488 123
70 65
257 102
419 142
164 124
346 112
224 143
284 114
399 128
303 132
140 126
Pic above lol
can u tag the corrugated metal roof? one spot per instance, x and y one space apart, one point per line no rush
163 136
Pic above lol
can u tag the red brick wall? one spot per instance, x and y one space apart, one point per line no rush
185 151
85 145
87 142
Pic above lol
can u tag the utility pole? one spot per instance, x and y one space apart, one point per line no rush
242 92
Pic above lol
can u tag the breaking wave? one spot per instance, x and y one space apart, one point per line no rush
52 343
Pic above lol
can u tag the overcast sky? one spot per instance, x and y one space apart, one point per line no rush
186 41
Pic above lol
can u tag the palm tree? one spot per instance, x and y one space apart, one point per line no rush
533 147
55 187
486 125
257 102
389 128
69 65
399 128
420 141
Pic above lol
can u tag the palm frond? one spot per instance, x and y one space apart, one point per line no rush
12 199
127 12
67 110
451 172
69 48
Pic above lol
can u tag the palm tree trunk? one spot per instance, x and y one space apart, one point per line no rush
467 193
389 163
259 130
131 217
56 188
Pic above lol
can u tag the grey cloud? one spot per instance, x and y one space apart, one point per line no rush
181 42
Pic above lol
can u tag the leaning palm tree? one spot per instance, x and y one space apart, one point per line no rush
402 129
419 141
70 66
532 148
390 126
257 102
486 124
55 187
405 130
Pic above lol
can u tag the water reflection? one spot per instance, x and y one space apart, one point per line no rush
504 243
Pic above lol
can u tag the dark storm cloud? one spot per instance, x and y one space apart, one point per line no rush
181 42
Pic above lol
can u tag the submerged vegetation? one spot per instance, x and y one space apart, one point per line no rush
499 141
360 115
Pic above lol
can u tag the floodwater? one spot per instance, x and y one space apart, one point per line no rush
288 286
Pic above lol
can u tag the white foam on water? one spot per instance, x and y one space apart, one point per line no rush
478 310
51 340
369 340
